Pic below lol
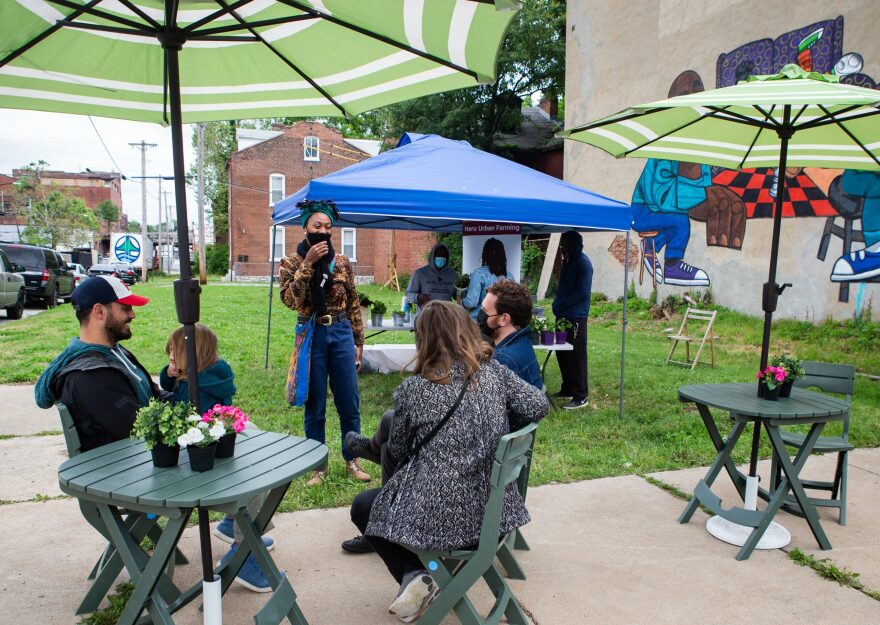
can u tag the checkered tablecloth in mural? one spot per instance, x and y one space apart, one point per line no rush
804 198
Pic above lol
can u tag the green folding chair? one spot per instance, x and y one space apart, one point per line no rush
139 525
516 540
830 378
455 572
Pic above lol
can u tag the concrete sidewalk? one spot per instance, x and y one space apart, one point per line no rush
606 551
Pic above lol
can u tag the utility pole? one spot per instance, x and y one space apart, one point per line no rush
203 277
159 229
142 146
170 244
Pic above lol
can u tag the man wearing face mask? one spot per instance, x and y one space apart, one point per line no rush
436 280
504 317
572 302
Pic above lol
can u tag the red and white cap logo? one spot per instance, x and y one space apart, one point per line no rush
123 293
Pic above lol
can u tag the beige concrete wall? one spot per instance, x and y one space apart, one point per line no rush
621 53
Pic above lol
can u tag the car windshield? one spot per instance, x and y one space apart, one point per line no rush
31 258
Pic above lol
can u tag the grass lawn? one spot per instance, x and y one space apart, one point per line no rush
656 433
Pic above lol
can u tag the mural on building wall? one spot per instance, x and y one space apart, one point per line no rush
669 194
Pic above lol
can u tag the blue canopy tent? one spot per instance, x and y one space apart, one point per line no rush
429 182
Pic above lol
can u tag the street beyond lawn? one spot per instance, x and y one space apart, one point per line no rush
657 432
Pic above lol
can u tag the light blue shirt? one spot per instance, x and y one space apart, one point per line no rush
481 280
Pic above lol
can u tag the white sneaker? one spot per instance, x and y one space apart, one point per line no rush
414 598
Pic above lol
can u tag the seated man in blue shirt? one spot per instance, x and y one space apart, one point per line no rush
504 317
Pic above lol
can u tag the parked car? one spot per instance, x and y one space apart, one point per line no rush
79 273
120 270
12 291
46 276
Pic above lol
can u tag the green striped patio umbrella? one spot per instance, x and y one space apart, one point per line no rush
184 61
793 118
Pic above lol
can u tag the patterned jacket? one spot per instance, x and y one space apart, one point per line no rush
296 291
437 499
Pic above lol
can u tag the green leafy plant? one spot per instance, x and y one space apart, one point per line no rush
364 299
161 422
379 308
792 365
463 281
563 325
538 324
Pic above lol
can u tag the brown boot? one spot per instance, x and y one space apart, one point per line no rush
318 477
354 469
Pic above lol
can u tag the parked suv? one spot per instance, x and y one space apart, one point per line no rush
12 293
120 270
46 276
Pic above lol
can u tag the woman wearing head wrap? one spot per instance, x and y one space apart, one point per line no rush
315 280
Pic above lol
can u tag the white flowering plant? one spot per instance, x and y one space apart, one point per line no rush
202 431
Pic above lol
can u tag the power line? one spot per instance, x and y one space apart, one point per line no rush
101 139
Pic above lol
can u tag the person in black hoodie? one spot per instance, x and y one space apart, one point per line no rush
572 302
436 280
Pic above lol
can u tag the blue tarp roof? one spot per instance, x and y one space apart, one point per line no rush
431 183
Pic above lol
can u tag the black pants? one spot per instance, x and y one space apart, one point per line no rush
379 450
397 558
573 364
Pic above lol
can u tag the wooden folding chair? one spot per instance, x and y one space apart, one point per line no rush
139 525
687 335
457 571
830 378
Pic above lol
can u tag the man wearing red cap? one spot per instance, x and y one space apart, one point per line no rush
101 382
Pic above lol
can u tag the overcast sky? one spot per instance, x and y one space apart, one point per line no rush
70 143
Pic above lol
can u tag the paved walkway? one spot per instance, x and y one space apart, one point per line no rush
606 551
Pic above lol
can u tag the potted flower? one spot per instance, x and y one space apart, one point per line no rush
461 285
201 440
234 420
771 380
160 424
378 309
562 328
793 368
547 334
535 325
365 303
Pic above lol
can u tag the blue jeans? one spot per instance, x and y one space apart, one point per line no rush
674 229
332 355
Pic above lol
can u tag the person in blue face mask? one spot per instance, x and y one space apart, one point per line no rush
436 280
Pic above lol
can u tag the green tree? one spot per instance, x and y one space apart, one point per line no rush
220 143
107 211
134 226
59 220
531 60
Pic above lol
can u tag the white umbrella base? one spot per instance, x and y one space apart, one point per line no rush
211 597
775 537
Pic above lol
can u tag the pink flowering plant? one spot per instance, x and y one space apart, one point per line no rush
233 418
773 376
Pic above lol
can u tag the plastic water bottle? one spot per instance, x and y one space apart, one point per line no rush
406 309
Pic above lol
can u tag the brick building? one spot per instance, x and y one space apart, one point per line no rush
91 187
272 164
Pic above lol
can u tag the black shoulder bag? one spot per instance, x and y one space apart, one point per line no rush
415 450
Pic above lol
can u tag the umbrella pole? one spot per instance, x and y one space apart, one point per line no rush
623 334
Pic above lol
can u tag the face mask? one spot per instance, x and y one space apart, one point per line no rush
440 263
317 237
483 322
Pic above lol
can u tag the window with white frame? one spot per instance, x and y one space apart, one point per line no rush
279 243
349 244
276 188
311 149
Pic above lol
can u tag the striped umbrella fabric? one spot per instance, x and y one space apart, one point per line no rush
243 58
830 124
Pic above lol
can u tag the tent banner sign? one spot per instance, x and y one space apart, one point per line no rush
482 228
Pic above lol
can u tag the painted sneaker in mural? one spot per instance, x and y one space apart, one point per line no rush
861 265
657 269
682 274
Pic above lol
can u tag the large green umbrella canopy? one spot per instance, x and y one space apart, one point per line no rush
793 118
177 61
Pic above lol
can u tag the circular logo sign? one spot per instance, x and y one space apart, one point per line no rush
127 249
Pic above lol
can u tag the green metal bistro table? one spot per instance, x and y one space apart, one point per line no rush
122 475
741 401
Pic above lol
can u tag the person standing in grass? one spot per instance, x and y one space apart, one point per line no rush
572 302
317 282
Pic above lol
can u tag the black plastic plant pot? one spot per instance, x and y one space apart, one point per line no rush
165 456
202 458
226 445
785 389
770 394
